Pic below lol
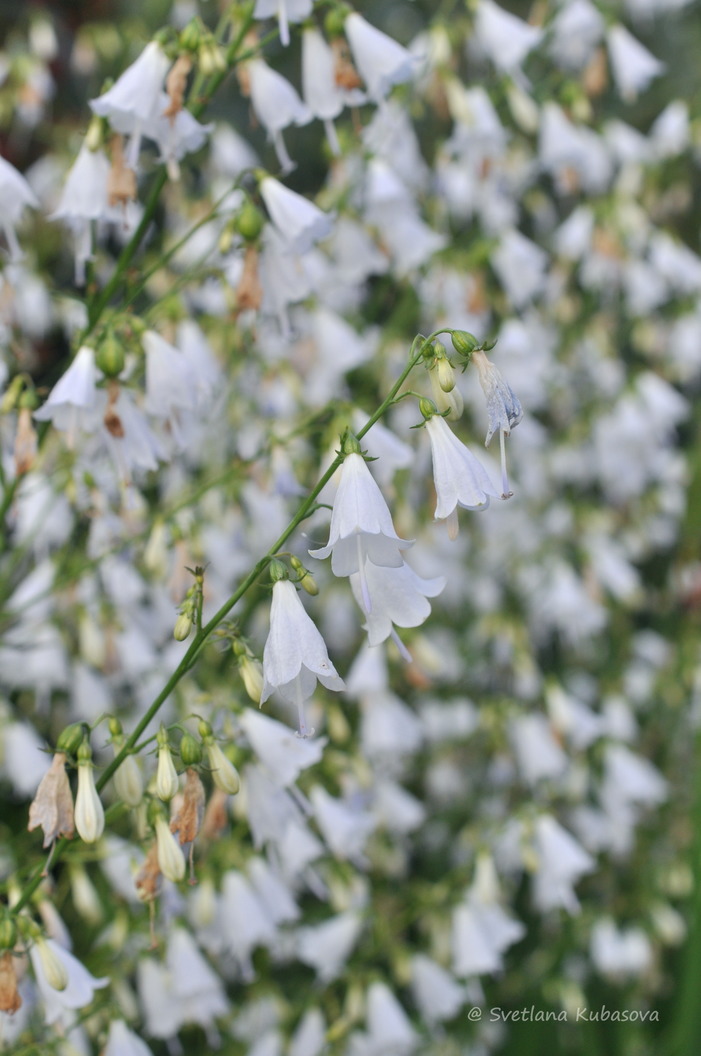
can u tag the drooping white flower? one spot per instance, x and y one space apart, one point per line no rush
344 825
379 59
575 31
503 37
503 408
72 404
632 65
84 198
309 1039
245 921
561 863
361 526
435 991
276 105
16 195
286 11
389 1028
397 596
197 988
53 964
295 654
170 381
123 1042
176 136
135 99
282 754
324 97
459 478
326 947
299 222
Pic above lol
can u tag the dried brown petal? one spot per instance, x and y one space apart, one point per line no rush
188 820
148 878
250 292
52 808
25 442
216 816
345 73
175 86
10 1000
121 181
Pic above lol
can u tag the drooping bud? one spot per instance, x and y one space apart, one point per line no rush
128 782
89 812
306 579
464 342
109 357
166 774
249 222
251 672
446 374
171 860
224 773
183 626
71 738
190 750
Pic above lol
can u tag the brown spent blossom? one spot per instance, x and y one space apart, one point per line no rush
249 293
175 86
25 442
10 1000
148 878
345 73
121 181
188 821
112 421
216 816
52 807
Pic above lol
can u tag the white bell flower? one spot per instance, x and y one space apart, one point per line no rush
459 478
177 136
89 812
435 991
389 1028
309 1039
503 408
123 1042
379 59
361 526
276 105
84 198
397 595
295 654
286 11
503 37
52 964
170 381
15 194
561 863
282 754
324 97
72 404
134 101
298 221
327 946
632 65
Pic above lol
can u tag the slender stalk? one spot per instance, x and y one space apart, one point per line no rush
200 639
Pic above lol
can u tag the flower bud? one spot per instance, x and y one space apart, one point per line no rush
427 407
183 626
12 394
85 897
89 813
190 750
191 35
8 932
251 672
171 860
55 972
249 222
109 357
71 738
464 342
224 773
445 374
166 775
128 782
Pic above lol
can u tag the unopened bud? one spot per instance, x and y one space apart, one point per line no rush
128 782
109 357
464 342
8 932
224 773
183 626
71 738
249 222
210 58
446 375
12 394
252 676
166 774
427 407
190 750
306 579
191 35
171 860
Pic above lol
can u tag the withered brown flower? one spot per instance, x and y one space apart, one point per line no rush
52 808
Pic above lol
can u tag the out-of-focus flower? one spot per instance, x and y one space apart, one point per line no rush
16 195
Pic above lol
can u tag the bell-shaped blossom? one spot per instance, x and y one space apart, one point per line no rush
123 1042
632 65
295 654
298 221
128 436
176 136
389 1028
398 595
503 408
73 405
309 1039
244 920
459 478
53 964
276 105
286 11
344 824
327 946
197 988
503 37
575 31
361 526
437 994
561 863
16 195
170 381
283 755
84 198
379 59
324 97
135 99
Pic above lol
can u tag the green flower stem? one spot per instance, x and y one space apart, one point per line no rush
200 639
